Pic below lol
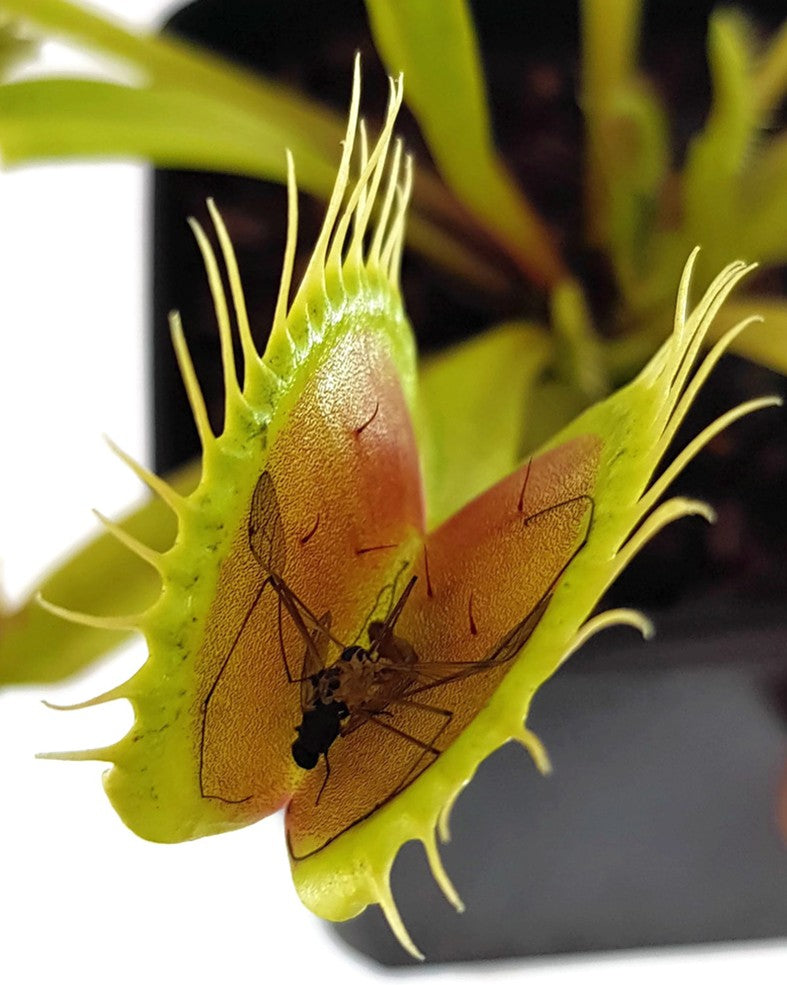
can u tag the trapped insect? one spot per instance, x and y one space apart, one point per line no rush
346 686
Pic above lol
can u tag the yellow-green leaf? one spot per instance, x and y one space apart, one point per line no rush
476 403
610 36
15 47
103 576
634 428
170 127
714 172
766 345
434 44
348 298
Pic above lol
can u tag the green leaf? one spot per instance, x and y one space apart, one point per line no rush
476 402
610 35
763 234
183 88
770 80
435 46
15 47
627 159
637 163
766 345
177 64
555 404
714 173
170 127
578 356
193 109
38 647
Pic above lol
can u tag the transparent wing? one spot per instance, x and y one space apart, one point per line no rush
266 530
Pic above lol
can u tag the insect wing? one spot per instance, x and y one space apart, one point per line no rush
433 674
265 527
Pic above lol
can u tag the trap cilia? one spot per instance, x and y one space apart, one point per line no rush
324 644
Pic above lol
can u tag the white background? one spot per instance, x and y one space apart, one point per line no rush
80 897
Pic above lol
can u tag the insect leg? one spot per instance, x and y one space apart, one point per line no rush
293 603
286 596
422 704
386 589
325 779
360 718
282 649
444 713
314 657
387 627
374 719
212 690
513 641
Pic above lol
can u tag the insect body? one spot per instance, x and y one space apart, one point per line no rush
327 699
321 724
357 688
332 695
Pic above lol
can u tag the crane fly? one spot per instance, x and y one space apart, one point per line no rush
365 686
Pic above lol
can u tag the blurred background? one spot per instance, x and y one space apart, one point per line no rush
80 894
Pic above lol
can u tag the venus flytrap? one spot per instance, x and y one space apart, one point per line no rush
350 488
309 521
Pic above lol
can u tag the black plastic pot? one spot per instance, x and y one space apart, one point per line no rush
659 824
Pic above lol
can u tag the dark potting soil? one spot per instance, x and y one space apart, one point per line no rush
531 61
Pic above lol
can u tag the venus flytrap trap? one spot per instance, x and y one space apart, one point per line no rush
326 639
644 213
